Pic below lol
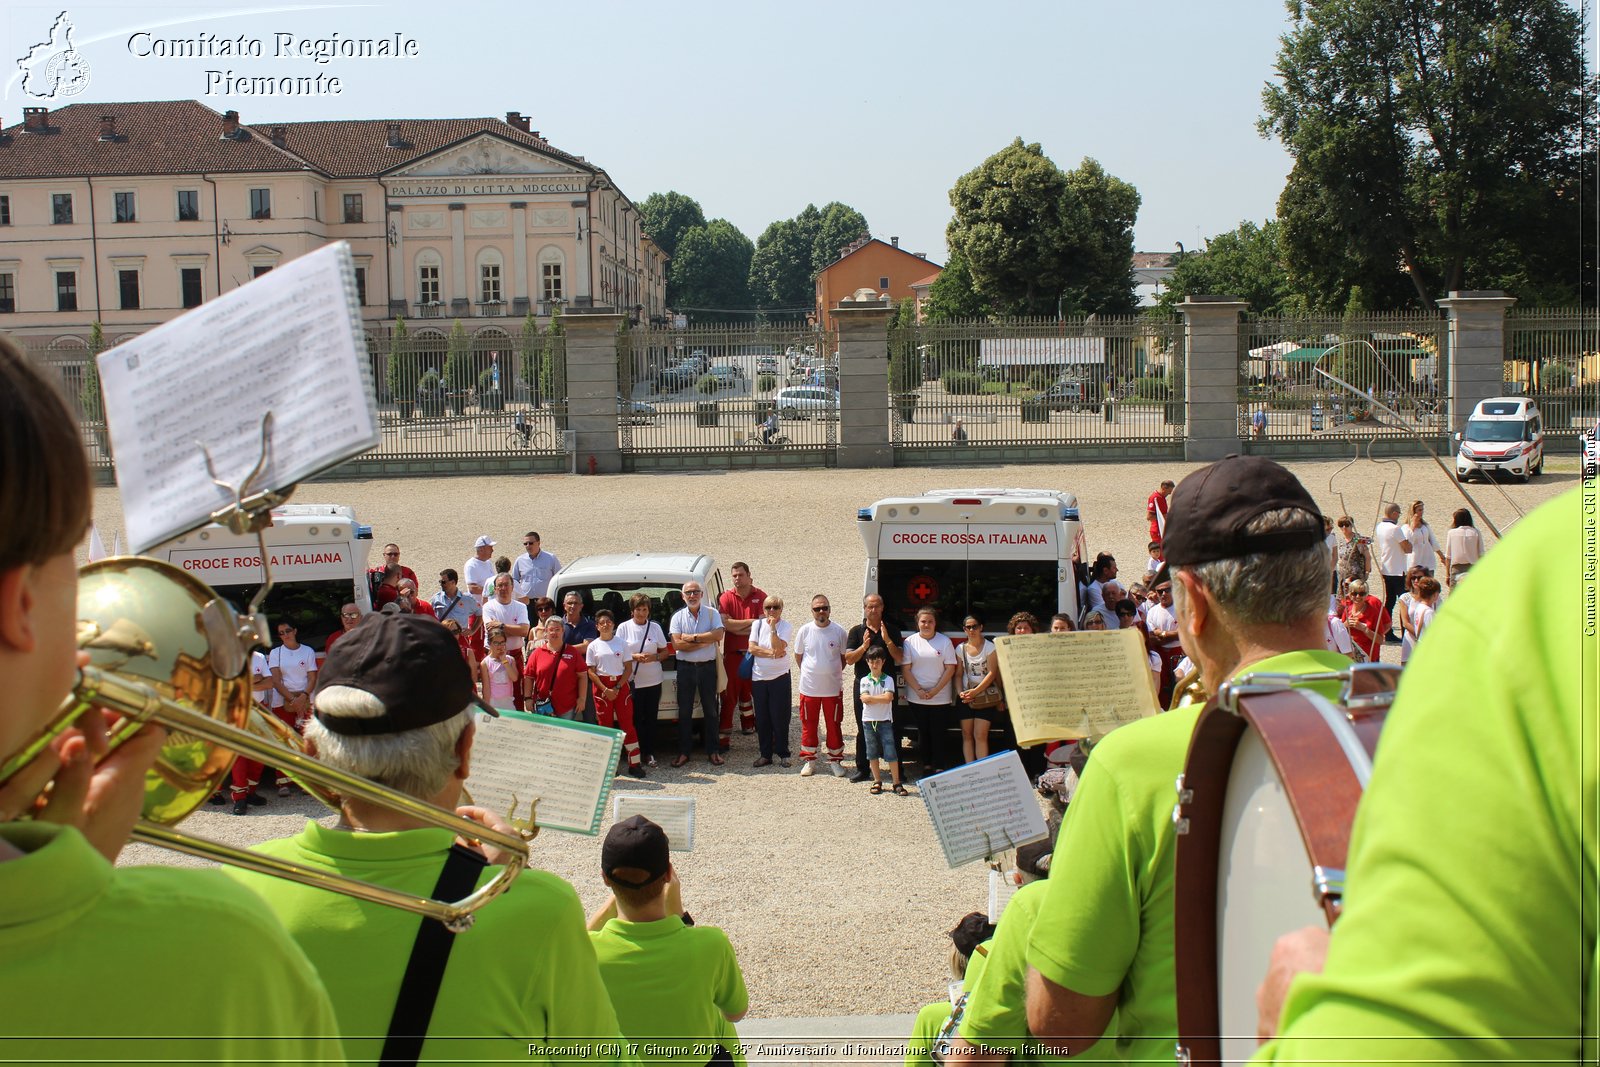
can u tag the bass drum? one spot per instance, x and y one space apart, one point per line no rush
1265 805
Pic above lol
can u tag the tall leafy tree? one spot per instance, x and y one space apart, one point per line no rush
712 269
1436 139
780 269
837 225
952 296
1244 262
667 215
1036 239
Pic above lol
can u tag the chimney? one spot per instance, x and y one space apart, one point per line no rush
894 242
280 134
536 134
36 119
393 139
230 125
515 118
108 127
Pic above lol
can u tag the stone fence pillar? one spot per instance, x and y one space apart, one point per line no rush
592 386
1211 377
1476 343
864 383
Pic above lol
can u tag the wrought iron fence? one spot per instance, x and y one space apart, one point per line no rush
69 363
712 388
1553 356
1288 367
1032 381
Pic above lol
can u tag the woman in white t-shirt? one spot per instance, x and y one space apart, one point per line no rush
610 669
646 646
976 675
769 684
1462 546
1424 547
930 664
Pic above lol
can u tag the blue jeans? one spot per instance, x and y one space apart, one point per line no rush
880 740
697 679
771 699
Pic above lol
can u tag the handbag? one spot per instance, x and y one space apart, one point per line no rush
747 665
989 697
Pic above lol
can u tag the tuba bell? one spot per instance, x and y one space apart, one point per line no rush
163 647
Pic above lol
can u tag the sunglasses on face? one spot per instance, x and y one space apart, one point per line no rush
823 608
773 607
972 626
350 614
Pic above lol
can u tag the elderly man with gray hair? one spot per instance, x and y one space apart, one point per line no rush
395 705
1249 573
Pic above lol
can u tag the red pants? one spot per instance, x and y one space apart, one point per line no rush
832 711
289 718
618 714
516 682
738 692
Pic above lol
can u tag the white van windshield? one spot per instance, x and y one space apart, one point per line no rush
614 596
1495 432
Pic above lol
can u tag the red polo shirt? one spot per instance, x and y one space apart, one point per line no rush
733 606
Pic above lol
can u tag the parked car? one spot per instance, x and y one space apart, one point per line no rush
766 364
635 410
807 401
727 376
672 379
1066 396
697 362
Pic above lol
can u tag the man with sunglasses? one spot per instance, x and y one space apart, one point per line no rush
349 615
391 554
819 653
294 675
532 571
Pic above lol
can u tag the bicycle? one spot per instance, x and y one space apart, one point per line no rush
756 439
525 436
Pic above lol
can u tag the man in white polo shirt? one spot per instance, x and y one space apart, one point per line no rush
502 610
531 572
294 675
696 628
1389 538
478 570
819 651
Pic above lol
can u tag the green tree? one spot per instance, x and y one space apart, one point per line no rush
712 269
905 369
553 359
528 349
837 225
1244 262
667 215
1439 137
1037 240
402 373
90 397
458 359
952 296
780 268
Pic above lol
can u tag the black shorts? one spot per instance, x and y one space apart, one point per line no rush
989 714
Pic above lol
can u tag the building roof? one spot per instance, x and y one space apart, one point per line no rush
153 137
876 241
1146 260
185 137
929 280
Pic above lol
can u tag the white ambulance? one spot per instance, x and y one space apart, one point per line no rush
985 552
1503 434
318 554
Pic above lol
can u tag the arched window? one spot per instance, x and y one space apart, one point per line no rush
552 271
491 269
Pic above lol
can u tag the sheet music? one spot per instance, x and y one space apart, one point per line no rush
981 809
675 816
1060 687
566 767
1002 887
288 342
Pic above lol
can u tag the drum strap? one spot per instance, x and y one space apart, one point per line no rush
419 989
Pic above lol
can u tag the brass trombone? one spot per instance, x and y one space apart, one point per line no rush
165 648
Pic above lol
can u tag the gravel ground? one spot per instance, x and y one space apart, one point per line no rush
836 901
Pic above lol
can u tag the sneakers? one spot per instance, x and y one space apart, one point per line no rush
747 730
217 798
762 761
808 768
785 762
860 776
285 791
650 761
837 768
241 807
636 770
255 800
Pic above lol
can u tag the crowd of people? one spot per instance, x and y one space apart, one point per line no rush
1457 943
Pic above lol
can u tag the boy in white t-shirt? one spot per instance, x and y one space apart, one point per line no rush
877 722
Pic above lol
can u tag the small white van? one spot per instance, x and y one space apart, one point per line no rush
1504 434
610 581
318 554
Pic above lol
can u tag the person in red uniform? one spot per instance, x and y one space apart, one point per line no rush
556 679
349 615
1155 510
1364 617
391 554
740 607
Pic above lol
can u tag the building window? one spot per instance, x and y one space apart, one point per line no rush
188 205
66 290
8 292
5 211
193 291
316 204
551 274
258 270
361 285
353 207
123 203
428 285
61 209
128 287
883 283
489 283
261 203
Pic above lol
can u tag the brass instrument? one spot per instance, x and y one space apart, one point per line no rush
1190 689
164 647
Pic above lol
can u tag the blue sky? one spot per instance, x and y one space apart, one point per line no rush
756 108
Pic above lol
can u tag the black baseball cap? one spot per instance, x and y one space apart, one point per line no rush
635 843
973 930
410 663
1210 509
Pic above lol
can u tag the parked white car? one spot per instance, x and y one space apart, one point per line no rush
807 401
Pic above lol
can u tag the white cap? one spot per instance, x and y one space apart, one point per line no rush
484 542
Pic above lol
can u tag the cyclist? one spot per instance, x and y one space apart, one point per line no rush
522 429
769 428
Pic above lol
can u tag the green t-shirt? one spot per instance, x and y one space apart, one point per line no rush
930 1020
673 986
1468 931
1108 928
88 951
524 973
997 1006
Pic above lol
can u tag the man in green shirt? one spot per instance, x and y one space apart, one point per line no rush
1249 574
1469 924
677 986
394 704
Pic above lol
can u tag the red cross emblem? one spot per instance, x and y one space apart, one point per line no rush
922 590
